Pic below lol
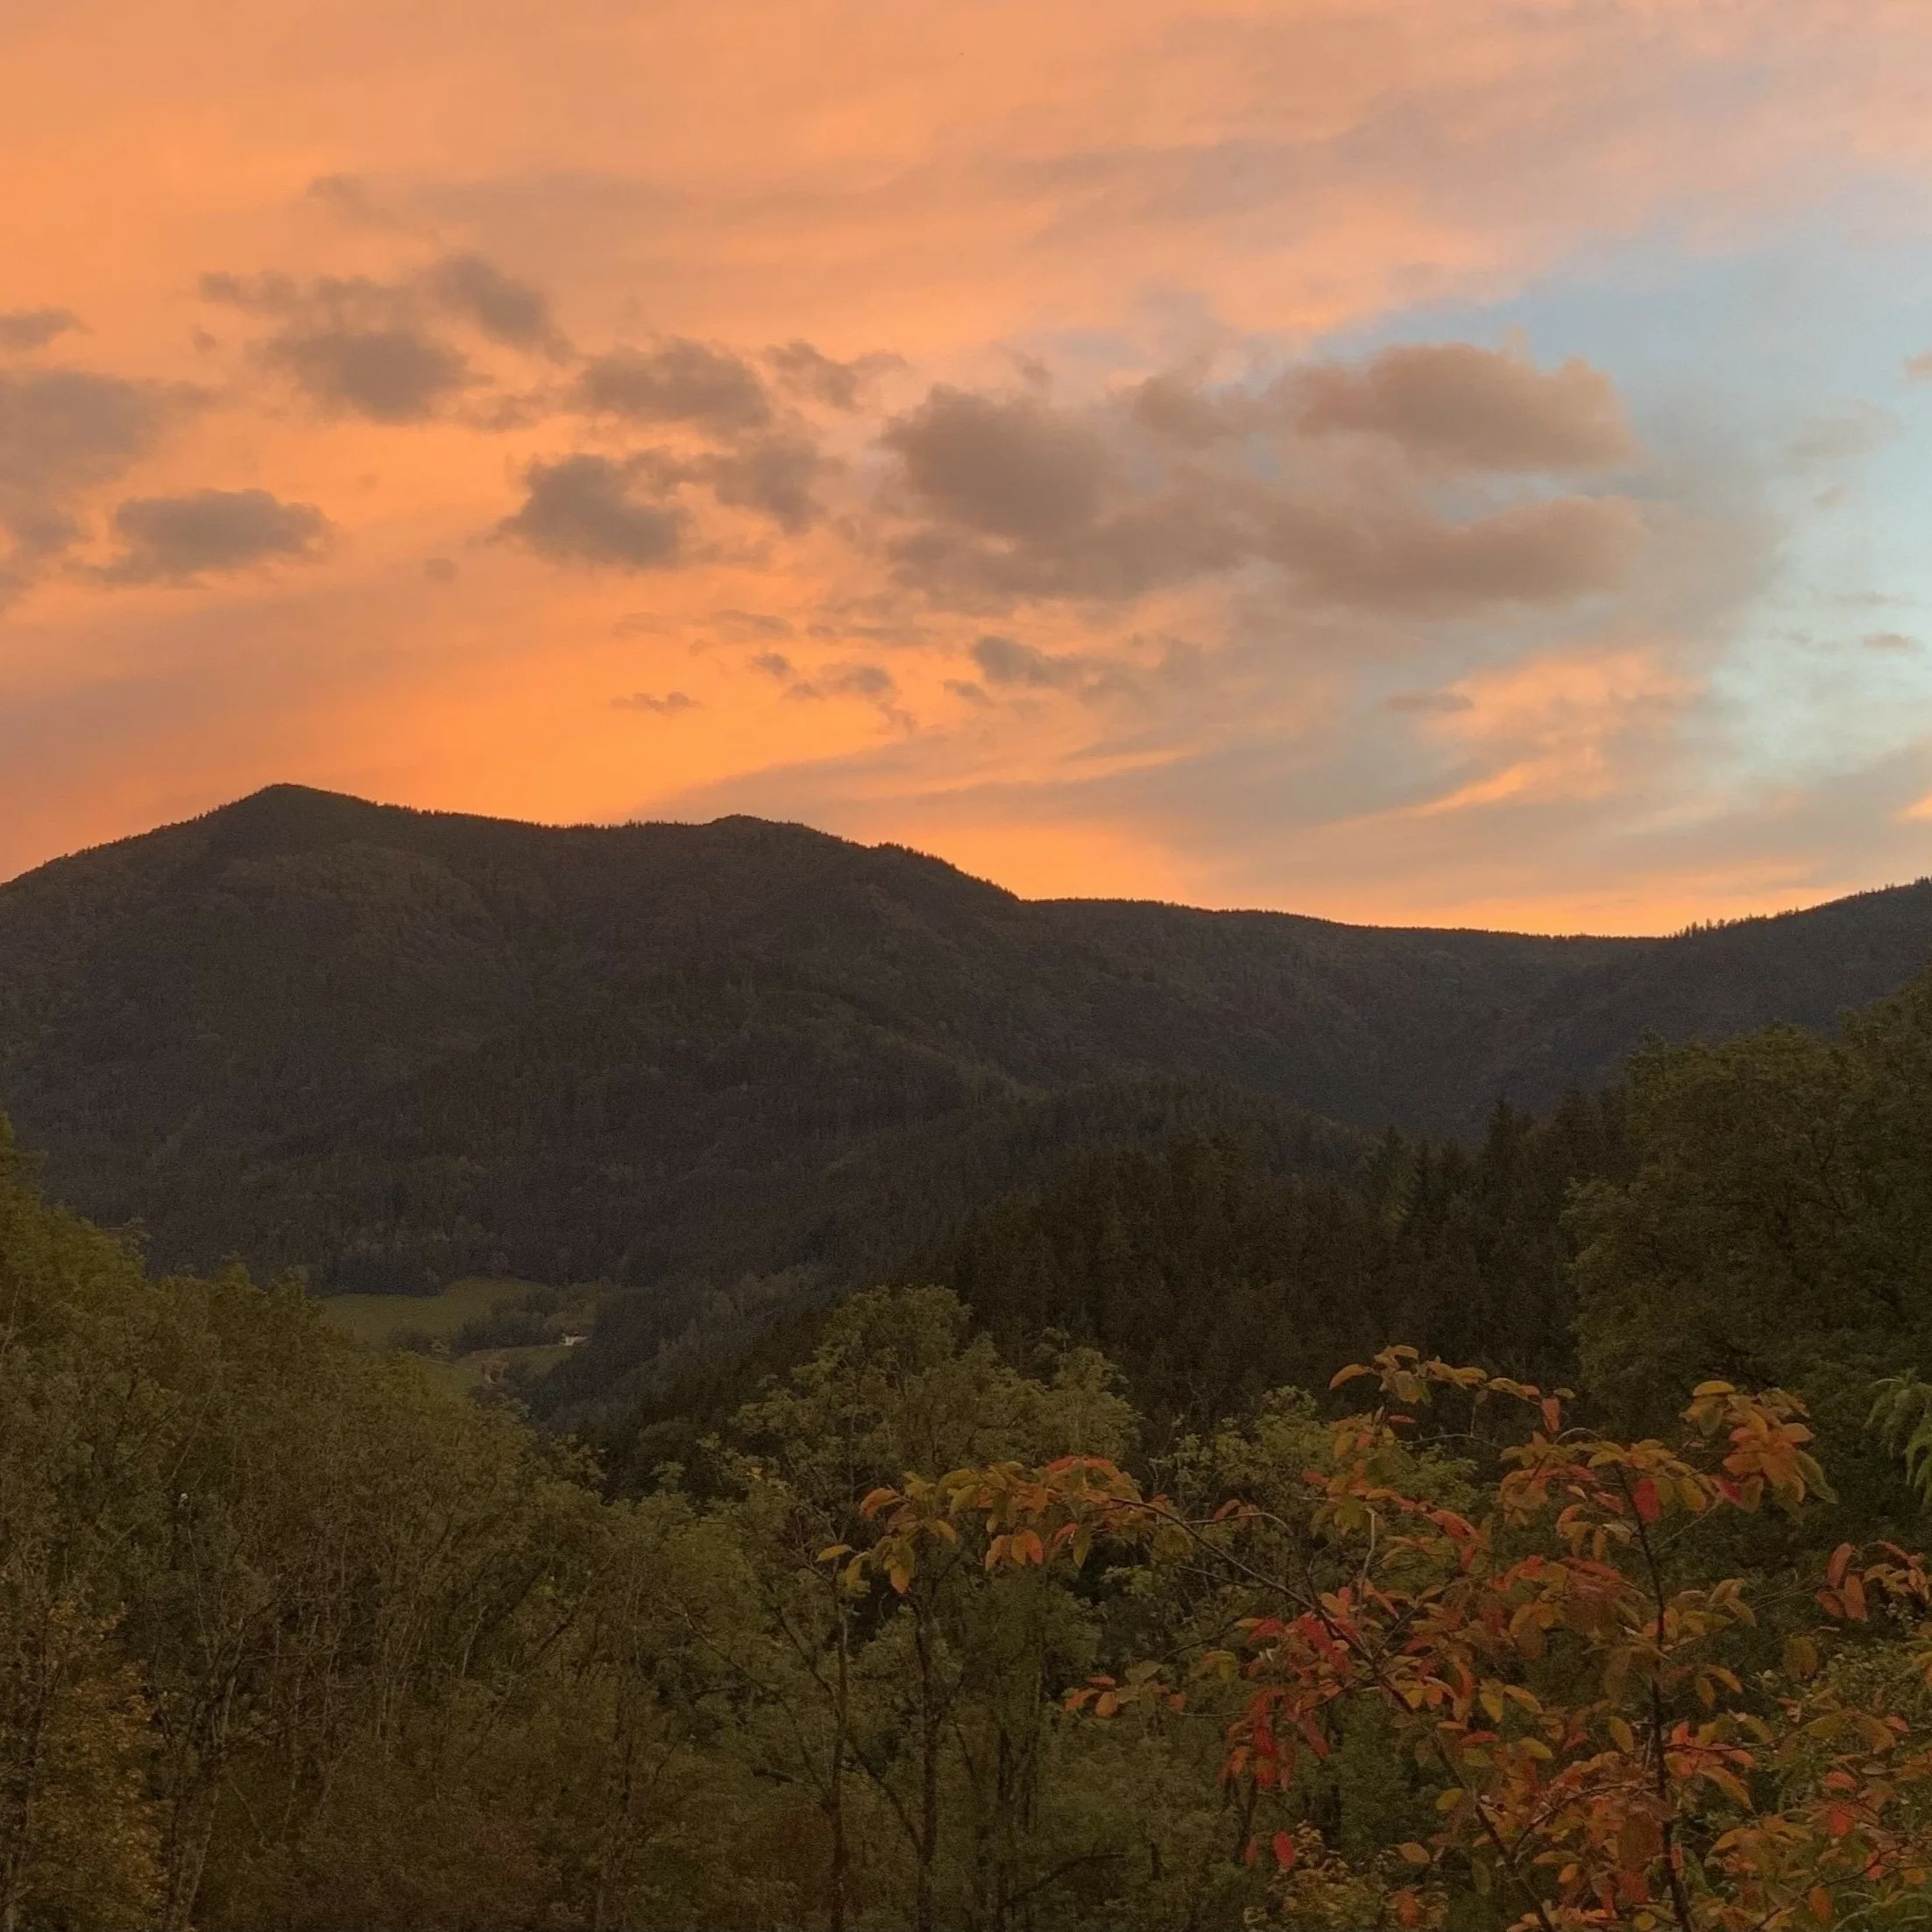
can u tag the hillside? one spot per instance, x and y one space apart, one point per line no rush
397 1047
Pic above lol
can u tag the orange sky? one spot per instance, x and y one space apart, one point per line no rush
1459 463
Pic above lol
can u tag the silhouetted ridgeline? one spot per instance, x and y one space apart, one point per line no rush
394 1046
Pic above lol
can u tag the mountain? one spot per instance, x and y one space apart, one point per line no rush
394 1046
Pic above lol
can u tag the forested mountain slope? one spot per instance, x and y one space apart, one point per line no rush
392 1046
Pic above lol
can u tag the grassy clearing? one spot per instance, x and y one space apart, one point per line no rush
374 1320
380 1322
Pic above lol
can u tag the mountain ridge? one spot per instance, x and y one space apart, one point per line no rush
392 1046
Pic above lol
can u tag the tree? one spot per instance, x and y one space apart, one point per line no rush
1570 1691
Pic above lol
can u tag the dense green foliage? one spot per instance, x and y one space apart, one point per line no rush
294 1635
395 1048
291 1637
1464 1252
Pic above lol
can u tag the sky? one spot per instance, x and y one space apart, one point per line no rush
1461 463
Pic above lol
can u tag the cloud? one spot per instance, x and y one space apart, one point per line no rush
1919 368
25 329
1888 641
667 706
1013 497
1006 664
807 372
63 432
1005 660
772 663
1428 704
347 197
498 306
63 428
775 474
1009 466
357 347
590 510
873 680
1844 434
1478 408
740 625
1543 552
176 540
386 375
679 381
354 347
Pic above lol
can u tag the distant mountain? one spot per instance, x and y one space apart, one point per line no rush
394 1046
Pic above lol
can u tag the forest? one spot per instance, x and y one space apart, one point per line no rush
389 1049
1517 1532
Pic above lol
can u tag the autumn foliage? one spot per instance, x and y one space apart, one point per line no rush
1609 1736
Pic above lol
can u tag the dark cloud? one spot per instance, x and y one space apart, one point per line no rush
1428 704
1173 537
1013 497
775 474
176 540
354 347
1546 551
964 687
1482 408
25 329
1005 660
743 624
63 428
1175 406
807 372
345 195
774 664
358 347
268 293
63 432
386 375
678 381
1006 664
667 706
440 569
592 510
873 680
1009 466
514 313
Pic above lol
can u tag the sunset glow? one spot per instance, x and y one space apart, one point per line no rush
1454 464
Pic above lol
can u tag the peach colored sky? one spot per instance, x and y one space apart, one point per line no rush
1463 462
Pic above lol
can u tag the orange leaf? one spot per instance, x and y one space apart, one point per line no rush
1285 1850
1820 1901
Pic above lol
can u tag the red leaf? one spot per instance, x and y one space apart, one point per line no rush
1645 1496
1285 1850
